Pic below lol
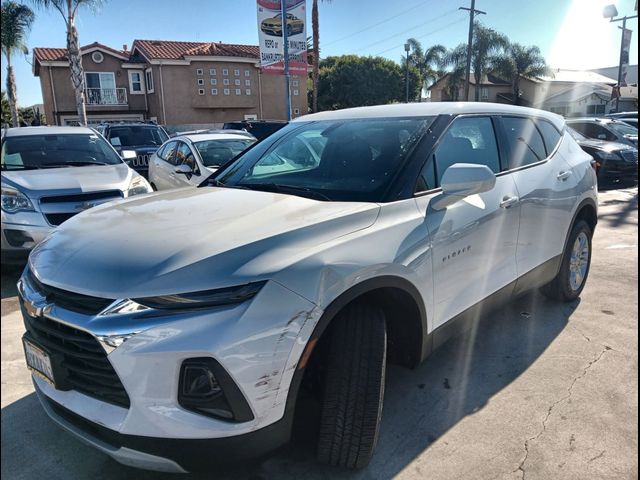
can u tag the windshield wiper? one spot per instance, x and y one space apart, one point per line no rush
292 189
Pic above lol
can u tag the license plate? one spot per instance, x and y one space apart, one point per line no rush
38 361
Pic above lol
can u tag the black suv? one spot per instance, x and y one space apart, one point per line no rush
143 138
260 129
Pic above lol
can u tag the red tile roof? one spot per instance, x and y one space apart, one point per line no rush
170 50
60 54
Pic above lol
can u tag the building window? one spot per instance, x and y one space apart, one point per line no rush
247 73
199 71
212 71
247 91
225 81
484 93
296 111
201 91
225 71
238 91
296 92
236 72
97 57
201 81
247 83
226 91
214 91
214 81
295 83
595 109
136 86
148 77
237 81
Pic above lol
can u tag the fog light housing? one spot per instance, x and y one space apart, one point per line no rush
206 388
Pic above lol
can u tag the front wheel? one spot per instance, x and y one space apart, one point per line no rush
576 262
354 387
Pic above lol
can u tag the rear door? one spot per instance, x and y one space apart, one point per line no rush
164 165
473 241
187 157
547 187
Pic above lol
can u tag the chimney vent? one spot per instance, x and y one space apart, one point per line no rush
124 47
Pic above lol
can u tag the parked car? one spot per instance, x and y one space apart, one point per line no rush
49 174
607 129
403 225
260 129
190 159
273 26
143 138
616 163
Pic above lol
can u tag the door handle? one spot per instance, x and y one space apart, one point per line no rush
562 176
508 202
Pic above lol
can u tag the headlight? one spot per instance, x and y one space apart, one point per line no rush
604 156
138 185
13 200
202 299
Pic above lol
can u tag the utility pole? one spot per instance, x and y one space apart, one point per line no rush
472 11
610 11
285 39
407 47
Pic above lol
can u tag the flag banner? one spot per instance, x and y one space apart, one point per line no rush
270 30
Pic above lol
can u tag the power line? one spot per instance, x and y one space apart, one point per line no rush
404 32
375 24
444 27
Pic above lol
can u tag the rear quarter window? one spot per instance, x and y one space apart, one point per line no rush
550 135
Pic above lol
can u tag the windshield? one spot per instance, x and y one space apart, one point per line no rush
53 151
623 128
218 152
353 160
130 136
576 135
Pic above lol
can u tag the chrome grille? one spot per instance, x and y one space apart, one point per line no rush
630 155
59 208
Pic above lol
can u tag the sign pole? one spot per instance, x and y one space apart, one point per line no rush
285 39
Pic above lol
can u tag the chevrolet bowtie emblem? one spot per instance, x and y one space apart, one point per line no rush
35 309
85 206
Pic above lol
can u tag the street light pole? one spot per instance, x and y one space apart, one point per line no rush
407 47
285 39
610 11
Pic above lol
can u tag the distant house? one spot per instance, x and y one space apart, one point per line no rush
567 92
166 81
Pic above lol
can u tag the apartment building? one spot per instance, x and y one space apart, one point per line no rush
173 83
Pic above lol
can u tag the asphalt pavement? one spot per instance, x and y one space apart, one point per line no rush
539 390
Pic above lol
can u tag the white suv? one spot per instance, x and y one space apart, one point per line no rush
177 330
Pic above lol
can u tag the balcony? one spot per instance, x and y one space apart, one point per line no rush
106 96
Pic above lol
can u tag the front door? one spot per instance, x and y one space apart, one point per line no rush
473 241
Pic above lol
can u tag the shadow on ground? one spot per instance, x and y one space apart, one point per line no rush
420 406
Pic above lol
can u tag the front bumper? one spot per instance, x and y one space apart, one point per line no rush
258 343
21 232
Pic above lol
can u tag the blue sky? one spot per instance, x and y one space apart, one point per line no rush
570 33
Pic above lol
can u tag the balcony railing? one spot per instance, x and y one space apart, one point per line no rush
106 96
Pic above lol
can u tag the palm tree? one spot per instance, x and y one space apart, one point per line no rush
315 59
520 61
487 44
427 62
16 22
69 9
456 59
5 117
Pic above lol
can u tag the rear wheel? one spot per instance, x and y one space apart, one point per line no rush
574 270
354 387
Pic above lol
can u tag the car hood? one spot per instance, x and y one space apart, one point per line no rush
189 239
70 179
603 145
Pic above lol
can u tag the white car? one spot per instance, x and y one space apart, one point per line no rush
189 159
178 331
49 174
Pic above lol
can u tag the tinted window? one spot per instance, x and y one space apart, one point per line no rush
525 142
50 151
340 160
218 152
623 128
168 152
131 136
468 140
593 130
550 135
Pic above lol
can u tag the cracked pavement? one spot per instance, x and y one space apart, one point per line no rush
537 390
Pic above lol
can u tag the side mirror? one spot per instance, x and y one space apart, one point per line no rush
184 170
462 180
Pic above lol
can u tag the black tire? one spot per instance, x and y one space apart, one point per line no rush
153 187
560 287
354 387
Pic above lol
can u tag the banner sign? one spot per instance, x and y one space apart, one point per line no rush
270 30
624 56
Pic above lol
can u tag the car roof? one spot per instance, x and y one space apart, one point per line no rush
399 110
24 131
199 137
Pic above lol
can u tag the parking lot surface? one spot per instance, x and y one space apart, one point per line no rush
537 390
